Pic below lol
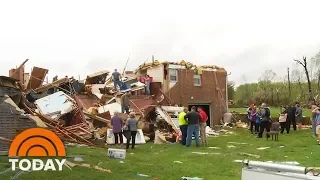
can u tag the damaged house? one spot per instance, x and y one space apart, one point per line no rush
190 85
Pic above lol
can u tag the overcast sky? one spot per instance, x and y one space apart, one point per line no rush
74 37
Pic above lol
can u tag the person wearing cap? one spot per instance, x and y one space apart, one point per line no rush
125 102
116 123
183 126
132 128
116 76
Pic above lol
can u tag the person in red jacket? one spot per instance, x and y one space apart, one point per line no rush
203 125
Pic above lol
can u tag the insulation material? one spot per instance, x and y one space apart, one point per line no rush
112 108
37 77
167 118
159 138
95 89
139 137
55 104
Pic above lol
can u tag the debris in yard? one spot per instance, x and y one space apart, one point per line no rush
69 163
142 175
102 169
263 148
18 174
231 146
214 147
237 143
121 162
200 153
116 153
191 178
238 161
179 162
78 159
204 153
250 155
85 165
5 171
132 153
281 147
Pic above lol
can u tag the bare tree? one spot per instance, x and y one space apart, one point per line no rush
304 64
265 82
289 83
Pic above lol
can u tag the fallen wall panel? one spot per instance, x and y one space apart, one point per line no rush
37 77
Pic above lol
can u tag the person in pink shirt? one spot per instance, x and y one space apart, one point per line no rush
203 125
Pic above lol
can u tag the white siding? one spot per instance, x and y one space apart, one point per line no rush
157 73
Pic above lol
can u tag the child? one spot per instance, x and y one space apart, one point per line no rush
282 119
252 119
258 121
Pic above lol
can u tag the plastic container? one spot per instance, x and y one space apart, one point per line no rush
117 153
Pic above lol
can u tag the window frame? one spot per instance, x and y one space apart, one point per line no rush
197 76
176 75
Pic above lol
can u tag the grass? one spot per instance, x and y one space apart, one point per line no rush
158 160
274 111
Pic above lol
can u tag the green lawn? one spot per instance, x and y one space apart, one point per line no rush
158 160
274 111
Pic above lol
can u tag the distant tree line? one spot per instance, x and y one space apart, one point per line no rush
301 84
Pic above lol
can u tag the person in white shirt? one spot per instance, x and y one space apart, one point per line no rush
283 119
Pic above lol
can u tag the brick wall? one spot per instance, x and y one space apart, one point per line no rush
182 92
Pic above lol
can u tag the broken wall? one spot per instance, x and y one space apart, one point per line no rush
12 121
182 92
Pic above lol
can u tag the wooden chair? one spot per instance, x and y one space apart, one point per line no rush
274 131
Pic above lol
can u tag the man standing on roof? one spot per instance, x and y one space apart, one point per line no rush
125 102
116 76
183 126
193 126
203 125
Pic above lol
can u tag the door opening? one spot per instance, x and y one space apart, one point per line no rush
205 108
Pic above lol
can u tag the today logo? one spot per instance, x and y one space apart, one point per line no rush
37 142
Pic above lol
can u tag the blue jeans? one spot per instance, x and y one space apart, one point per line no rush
125 109
184 131
314 125
147 89
115 83
193 129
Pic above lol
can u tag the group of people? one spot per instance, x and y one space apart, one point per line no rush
260 119
127 128
191 123
116 77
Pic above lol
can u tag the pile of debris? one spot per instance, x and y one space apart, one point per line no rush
80 111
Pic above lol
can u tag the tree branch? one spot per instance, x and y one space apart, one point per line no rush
301 63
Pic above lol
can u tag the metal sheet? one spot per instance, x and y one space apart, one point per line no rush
37 77
58 103
261 174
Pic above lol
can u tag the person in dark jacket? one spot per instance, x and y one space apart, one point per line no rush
265 120
193 118
291 118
